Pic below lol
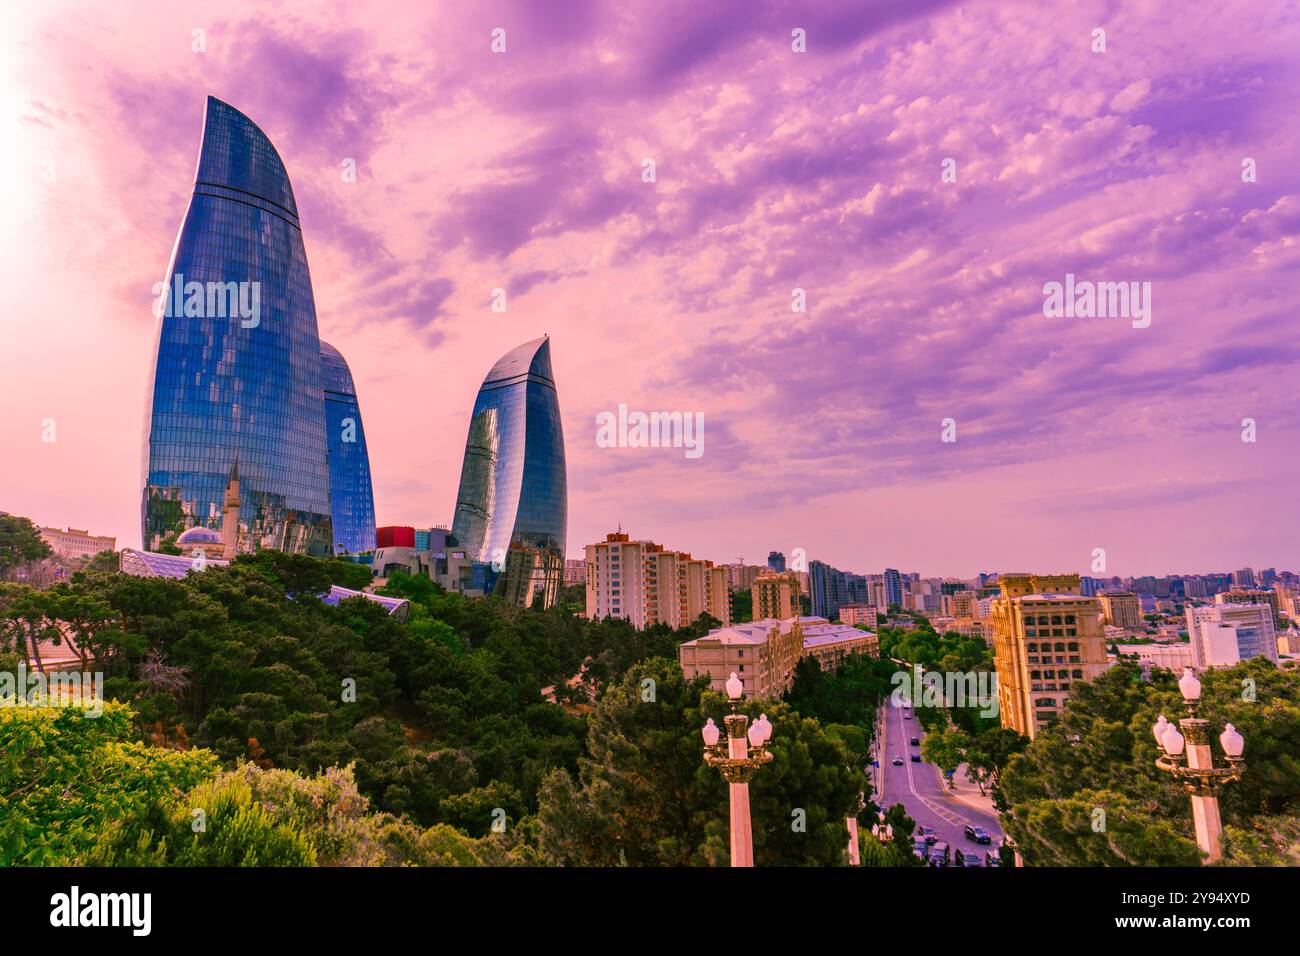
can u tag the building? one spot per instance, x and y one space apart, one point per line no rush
575 572
1171 657
1243 578
75 543
1046 636
893 587
763 654
237 374
776 561
855 614
830 588
512 502
1121 609
775 595
740 577
352 499
1254 596
1224 634
646 584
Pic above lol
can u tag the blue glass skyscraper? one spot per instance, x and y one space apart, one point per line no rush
352 499
237 372
512 504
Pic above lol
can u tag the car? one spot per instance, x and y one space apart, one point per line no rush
898 760
968 859
978 834
916 758
939 854
916 741
992 858
906 715
920 850
927 834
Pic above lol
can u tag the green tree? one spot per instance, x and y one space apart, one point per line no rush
20 544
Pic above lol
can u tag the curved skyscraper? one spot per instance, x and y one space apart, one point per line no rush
237 373
351 497
512 506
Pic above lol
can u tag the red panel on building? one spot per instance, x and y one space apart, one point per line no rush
395 536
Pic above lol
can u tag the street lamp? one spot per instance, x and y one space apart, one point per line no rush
1198 775
737 759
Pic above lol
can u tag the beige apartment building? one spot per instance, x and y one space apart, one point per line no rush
1121 609
642 582
75 543
866 614
1046 636
763 654
775 595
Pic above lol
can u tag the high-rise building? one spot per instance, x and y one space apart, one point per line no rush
830 588
775 595
1253 596
1046 636
237 372
1121 608
1243 578
775 561
1223 634
646 584
893 587
512 504
352 500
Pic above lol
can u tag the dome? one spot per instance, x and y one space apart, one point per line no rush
198 535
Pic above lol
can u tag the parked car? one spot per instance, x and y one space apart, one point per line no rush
940 855
920 850
968 859
916 741
927 834
978 834
907 715
898 761
992 858
916 758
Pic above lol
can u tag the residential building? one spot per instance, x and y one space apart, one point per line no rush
1046 636
855 614
775 595
647 584
1122 609
512 502
776 561
893 587
1254 596
352 499
575 571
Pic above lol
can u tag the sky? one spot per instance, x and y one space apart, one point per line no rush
921 170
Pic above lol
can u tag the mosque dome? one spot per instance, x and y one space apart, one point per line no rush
197 536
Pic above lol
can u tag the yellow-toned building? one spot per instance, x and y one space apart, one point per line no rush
647 584
1121 609
762 654
775 595
1046 637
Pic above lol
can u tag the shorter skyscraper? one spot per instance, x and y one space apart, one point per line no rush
352 499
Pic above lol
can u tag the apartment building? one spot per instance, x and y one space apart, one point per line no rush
647 584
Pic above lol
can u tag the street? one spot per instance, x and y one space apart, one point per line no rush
921 789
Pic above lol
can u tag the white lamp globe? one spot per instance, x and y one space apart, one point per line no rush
711 733
1189 685
1159 730
734 686
1231 741
1174 741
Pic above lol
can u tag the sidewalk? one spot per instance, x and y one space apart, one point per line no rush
969 794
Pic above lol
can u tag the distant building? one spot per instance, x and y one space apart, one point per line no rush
830 588
1122 609
75 543
435 554
776 561
646 584
855 614
575 571
1243 578
1171 657
740 577
1046 636
352 499
775 595
1224 634
893 587
1254 596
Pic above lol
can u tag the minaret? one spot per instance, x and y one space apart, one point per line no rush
230 515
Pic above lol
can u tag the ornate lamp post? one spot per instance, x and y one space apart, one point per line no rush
1198 775
737 760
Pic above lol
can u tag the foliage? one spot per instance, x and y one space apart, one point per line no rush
20 544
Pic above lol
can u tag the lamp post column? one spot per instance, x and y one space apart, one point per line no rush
742 835
1205 800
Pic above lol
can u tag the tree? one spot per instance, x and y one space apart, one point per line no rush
742 606
20 544
945 747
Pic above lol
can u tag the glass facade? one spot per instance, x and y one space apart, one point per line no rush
512 504
351 496
238 384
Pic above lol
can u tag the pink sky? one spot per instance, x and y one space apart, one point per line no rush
775 170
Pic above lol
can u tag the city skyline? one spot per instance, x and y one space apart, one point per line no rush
775 171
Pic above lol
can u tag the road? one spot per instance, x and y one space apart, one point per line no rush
920 786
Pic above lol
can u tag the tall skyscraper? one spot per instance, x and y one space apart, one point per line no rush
893 587
237 372
512 504
1046 636
352 499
